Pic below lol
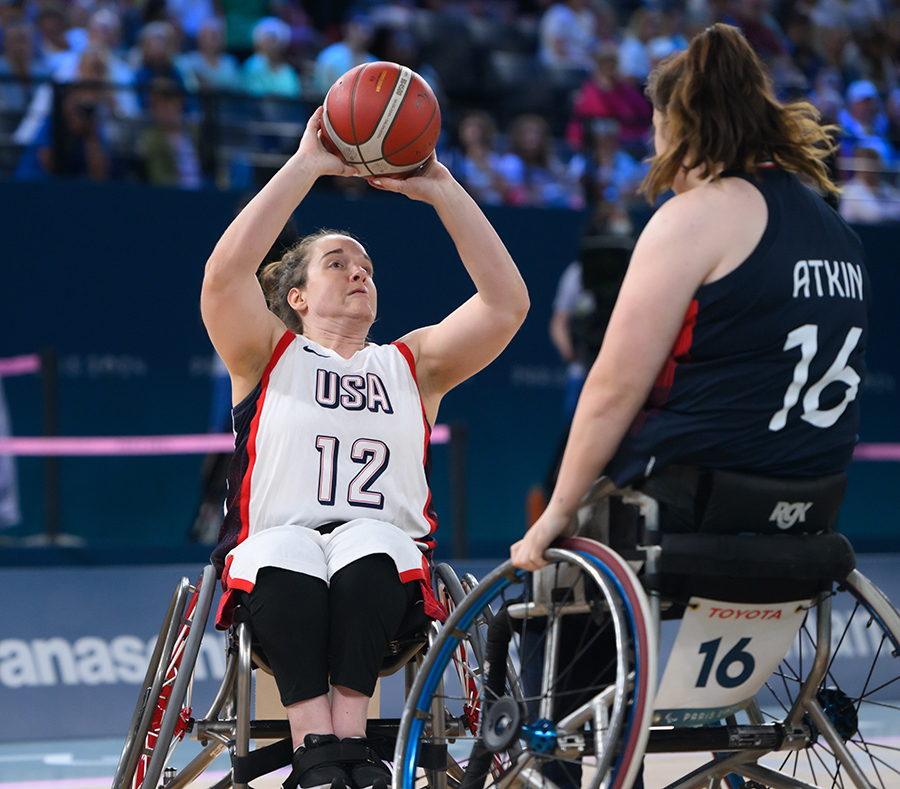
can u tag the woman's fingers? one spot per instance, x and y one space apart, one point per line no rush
523 555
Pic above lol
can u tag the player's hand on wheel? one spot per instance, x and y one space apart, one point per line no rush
528 553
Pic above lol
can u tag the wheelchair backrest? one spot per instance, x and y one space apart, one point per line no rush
738 502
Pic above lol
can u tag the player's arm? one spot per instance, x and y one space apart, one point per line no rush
241 327
475 333
673 257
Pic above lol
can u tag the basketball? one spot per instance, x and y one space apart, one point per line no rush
381 118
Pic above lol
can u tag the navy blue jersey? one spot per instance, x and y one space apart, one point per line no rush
765 374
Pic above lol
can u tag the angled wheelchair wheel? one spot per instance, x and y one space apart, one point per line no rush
163 711
555 698
851 715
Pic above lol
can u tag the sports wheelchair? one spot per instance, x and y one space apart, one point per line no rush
564 692
163 716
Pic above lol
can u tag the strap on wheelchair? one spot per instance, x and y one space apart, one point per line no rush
261 761
273 757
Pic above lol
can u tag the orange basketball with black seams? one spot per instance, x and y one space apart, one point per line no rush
381 118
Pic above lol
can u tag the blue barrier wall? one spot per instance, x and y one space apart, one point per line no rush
109 276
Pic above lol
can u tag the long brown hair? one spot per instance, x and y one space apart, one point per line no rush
278 278
721 112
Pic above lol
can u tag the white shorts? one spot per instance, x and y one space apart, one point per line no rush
306 551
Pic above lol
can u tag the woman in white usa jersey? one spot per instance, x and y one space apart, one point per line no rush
329 516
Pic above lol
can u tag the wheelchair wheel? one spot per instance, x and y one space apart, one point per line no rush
554 701
163 711
469 654
854 713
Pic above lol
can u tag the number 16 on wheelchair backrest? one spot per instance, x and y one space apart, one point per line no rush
722 656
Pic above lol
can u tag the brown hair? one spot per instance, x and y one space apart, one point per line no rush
278 278
720 110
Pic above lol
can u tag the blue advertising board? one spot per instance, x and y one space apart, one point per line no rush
74 645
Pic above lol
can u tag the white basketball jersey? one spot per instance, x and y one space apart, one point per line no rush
338 439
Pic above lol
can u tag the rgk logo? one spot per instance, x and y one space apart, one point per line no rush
786 514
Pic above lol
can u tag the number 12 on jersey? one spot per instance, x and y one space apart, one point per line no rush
371 454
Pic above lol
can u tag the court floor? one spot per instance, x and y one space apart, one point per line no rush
91 764
79 764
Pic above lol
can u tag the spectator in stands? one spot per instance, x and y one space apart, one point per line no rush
119 101
801 45
475 163
856 15
79 14
644 25
22 69
157 47
840 52
874 59
52 25
399 45
168 146
104 34
605 170
892 28
209 67
827 96
82 149
867 198
760 29
607 30
11 11
606 95
306 41
240 18
266 72
189 16
567 34
350 51
675 25
536 175
863 122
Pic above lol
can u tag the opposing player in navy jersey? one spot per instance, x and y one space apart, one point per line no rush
738 337
329 516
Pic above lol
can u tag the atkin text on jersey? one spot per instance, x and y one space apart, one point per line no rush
828 278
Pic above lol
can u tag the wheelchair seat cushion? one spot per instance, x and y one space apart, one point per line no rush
751 568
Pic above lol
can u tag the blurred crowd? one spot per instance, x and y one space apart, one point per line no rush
542 101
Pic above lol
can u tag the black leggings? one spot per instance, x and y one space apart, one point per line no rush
310 631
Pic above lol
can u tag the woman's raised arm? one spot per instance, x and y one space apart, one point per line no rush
241 327
475 333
